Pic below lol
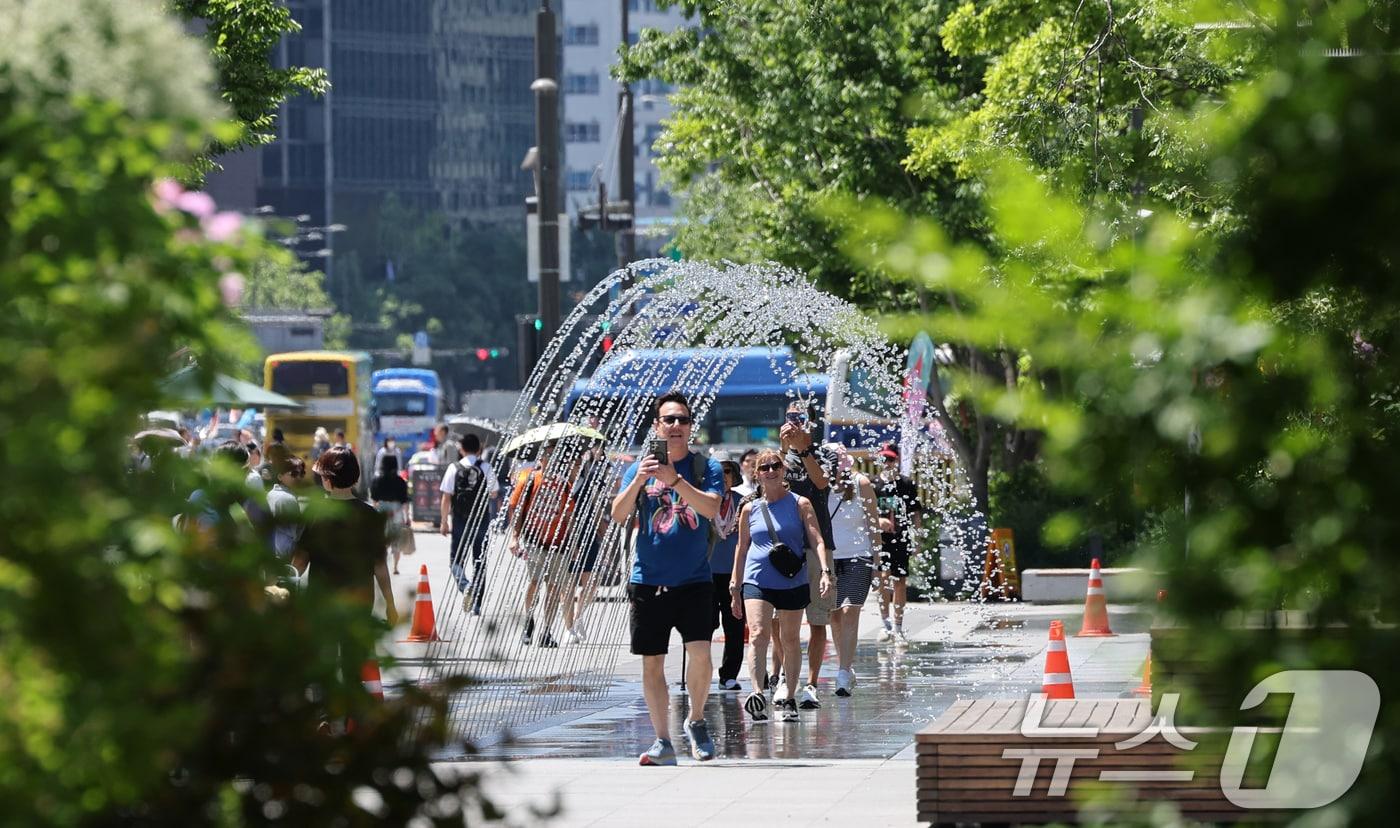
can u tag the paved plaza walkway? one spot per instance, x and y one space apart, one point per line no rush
851 762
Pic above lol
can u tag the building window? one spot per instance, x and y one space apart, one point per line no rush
585 35
579 180
581 84
576 133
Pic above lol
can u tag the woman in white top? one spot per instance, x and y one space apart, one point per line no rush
855 524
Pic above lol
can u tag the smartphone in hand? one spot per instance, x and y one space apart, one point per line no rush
657 449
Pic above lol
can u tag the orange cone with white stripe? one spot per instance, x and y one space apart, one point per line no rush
369 676
424 623
1145 689
1057 682
1095 606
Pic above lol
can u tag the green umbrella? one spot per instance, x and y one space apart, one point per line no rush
184 386
549 433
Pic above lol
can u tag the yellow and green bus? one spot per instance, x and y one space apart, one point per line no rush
334 390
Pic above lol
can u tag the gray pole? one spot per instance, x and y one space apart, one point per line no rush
546 88
626 175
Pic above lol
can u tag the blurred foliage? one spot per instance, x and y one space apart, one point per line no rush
149 677
1025 502
1190 363
783 105
241 35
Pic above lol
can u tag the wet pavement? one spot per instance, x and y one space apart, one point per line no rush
900 688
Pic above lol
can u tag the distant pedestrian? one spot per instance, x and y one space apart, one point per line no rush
283 506
770 573
389 448
543 506
253 477
319 443
724 540
671 584
855 523
593 489
447 449
389 491
468 486
340 440
901 516
749 485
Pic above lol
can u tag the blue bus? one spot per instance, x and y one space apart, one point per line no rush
408 402
748 407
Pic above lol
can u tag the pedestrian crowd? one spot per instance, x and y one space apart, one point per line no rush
786 535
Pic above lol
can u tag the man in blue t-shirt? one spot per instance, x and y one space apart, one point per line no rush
670 588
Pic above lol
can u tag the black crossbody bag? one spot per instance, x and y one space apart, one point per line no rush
784 559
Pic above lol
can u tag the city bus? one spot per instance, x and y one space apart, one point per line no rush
408 402
748 407
334 390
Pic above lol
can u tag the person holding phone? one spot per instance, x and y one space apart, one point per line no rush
806 472
674 494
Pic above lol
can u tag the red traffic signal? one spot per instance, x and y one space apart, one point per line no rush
483 354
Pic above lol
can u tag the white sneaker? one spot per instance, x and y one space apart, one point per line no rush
787 711
900 636
756 705
885 635
780 693
844 680
807 699
578 636
568 638
731 685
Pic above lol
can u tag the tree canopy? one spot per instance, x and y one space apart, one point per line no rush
152 676
241 36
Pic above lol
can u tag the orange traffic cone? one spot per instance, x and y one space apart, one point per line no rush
1095 606
1145 689
424 624
1057 682
369 676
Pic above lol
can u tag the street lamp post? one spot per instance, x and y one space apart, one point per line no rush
546 89
626 175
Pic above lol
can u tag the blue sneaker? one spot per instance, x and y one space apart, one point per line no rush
702 747
660 753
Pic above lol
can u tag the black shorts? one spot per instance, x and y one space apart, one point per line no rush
895 562
586 559
796 598
656 611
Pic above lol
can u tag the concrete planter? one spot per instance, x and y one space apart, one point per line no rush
1067 586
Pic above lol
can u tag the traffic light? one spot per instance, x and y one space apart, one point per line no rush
606 326
483 354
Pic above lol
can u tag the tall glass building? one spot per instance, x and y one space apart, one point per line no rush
430 102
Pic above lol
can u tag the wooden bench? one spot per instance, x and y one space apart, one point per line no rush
965 774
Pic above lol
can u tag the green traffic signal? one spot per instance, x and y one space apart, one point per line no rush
495 352
539 324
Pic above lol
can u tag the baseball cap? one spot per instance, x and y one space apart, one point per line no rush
889 451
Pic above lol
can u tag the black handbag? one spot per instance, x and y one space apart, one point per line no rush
784 559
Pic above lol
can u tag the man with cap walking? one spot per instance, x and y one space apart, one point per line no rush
901 524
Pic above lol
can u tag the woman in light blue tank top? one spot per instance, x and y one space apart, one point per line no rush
758 588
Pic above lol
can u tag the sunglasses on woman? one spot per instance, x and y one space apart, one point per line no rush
768 467
675 419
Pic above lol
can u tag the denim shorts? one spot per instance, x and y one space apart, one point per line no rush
784 599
